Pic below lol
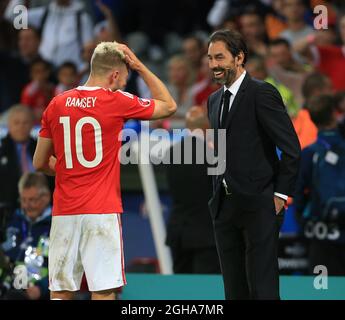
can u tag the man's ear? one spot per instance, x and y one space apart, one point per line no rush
113 76
240 59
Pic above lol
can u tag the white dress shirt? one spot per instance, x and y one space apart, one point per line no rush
234 89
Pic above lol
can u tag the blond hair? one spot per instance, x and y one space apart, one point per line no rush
106 57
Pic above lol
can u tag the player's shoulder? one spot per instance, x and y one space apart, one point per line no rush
123 94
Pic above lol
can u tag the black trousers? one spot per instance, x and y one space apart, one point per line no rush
247 244
195 260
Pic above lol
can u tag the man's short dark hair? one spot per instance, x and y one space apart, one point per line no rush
68 65
40 60
196 38
233 41
279 42
313 82
321 109
34 179
252 11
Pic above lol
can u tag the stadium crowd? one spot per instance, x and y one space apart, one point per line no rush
305 64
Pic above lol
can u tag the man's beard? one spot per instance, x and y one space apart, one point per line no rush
229 75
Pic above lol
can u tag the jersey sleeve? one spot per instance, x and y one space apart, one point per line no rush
133 107
45 131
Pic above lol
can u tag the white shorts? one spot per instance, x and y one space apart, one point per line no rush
90 243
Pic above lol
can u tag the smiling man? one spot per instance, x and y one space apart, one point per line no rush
249 198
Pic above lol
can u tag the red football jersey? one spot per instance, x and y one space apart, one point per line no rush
84 124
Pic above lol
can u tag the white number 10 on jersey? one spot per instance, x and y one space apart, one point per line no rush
65 121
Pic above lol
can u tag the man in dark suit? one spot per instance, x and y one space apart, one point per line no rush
16 153
249 197
190 233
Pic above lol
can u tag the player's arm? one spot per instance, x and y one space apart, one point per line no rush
44 159
165 105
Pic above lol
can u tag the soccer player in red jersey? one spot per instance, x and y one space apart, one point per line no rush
79 143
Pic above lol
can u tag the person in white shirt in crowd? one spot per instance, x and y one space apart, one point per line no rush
64 25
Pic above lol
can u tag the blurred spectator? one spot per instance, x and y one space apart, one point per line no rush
275 21
230 23
38 93
340 106
28 44
319 200
283 67
329 59
87 52
202 89
190 229
294 11
17 64
27 237
106 30
314 85
65 27
181 78
253 30
67 75
257 69
194 49
221 9
16 152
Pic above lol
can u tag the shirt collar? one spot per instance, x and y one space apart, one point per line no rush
89 88
236 85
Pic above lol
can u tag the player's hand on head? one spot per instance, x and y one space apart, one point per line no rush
130 58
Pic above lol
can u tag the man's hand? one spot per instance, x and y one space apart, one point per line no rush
103 8
34 293
52 163
279 204
131 59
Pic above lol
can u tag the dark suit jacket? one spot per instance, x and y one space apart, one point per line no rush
257 123
190 224
10 170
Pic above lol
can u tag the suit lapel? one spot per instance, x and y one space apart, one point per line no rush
218 107
238 98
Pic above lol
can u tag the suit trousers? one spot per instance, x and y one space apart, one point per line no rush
195 260
247 244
